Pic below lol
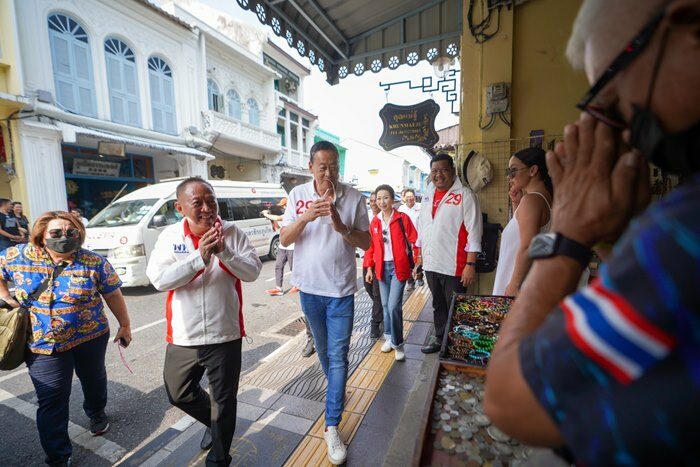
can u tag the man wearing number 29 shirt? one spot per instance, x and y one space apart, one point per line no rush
449 235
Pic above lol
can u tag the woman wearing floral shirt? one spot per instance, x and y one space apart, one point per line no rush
69 327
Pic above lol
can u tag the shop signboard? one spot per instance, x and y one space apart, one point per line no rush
93 167
411 125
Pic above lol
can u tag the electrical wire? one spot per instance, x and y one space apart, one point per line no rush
489 124
479 31
504 119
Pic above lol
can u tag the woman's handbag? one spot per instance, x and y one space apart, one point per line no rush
15 327
409 249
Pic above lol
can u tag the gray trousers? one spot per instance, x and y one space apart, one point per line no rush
283 257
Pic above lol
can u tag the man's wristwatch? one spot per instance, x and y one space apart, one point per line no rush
471 263
548 245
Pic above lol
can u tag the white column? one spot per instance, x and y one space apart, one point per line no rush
43 168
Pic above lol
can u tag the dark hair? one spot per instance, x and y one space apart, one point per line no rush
188 181
4 201
15 203
536 156
442 157
77 210
386 188
322 145
276 210
406 190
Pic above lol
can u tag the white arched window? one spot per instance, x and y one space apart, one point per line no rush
122 83
233 104
72 65
253 112
214 97
160 79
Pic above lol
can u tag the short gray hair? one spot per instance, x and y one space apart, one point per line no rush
608 23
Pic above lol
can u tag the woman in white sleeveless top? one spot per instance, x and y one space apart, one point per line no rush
527 171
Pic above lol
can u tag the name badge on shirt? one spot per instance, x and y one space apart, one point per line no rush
180 248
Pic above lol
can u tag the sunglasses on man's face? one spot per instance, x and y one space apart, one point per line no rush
69 233
609 114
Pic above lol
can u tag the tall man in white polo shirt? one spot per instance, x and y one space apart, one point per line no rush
449 235
326 221
201 262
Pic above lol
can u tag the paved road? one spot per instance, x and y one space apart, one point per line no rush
138 405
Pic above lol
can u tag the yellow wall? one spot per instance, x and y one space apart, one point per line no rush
9 78
528 53
545 89
10 85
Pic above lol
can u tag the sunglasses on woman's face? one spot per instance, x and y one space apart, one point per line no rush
69 233
512 171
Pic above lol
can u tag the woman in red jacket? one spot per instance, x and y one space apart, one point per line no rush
392 234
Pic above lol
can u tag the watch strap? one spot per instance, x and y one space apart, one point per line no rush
573 249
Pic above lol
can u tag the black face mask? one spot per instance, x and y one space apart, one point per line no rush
674 153
63 244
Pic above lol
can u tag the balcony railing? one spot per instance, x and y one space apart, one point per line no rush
246 133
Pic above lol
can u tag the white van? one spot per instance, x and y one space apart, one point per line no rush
125 232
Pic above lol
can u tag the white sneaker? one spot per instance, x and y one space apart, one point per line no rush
337 453
386 346
400 355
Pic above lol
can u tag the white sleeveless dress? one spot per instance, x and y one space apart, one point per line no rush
510 243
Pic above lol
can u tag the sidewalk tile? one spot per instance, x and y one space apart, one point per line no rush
358 400
419 333
366 379
413 352
299 406
403 374
381 362
348 426
386 409
311 452
249 412
369 446
260 397
426 315
285 421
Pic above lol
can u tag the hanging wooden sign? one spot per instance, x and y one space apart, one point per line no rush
409 125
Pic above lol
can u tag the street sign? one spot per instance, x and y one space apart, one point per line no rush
411 125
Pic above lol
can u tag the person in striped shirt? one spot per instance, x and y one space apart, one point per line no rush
612 371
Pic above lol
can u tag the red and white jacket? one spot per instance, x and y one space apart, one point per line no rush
374 257
205 303
454 231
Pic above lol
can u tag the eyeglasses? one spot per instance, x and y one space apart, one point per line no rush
512 171
610 115
69 233
385 232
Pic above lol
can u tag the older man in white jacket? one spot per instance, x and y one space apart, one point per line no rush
449 234
201 262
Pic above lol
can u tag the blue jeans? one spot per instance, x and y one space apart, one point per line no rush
331 325
391 290
52 376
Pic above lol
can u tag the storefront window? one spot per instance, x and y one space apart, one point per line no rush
293 132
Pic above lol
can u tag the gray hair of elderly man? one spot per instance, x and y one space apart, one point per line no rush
609 24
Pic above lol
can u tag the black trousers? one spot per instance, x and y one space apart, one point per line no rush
373 291
184 368
52 376
442 287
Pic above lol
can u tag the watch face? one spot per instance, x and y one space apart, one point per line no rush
542 246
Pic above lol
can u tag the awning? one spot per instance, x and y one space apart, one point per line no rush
344 37
134 141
